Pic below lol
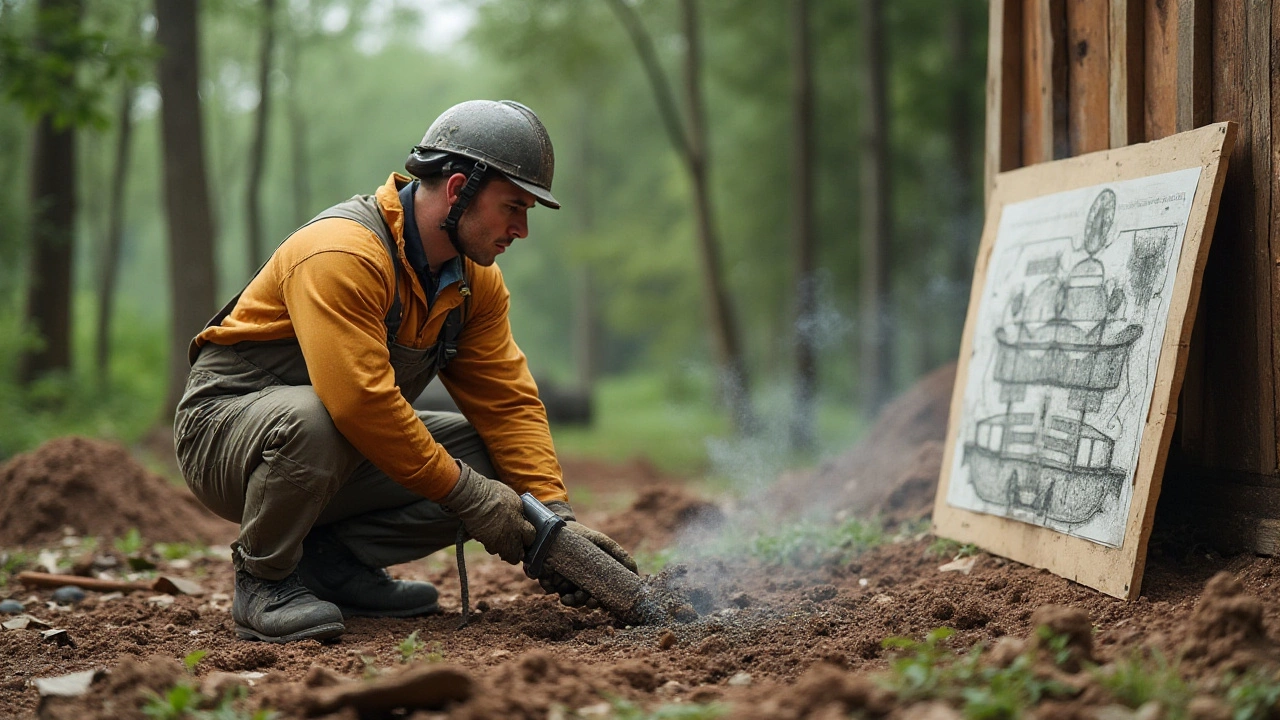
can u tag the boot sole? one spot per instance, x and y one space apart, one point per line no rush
348 611
328 631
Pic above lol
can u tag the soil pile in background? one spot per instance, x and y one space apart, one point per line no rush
893 470
97 489
658 515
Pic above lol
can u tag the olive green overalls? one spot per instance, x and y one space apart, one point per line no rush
257 447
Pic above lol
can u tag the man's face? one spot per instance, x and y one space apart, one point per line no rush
495 218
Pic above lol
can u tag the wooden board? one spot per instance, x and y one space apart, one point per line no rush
1089 75
1115 571
1004 90
1126 53
1160 68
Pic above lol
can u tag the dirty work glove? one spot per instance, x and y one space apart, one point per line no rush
491 513
570 594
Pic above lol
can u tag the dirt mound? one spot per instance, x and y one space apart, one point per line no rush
1227 628
97 489
658 515
893 471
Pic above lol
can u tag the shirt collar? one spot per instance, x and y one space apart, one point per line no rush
450 271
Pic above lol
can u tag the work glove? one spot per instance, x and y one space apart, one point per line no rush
570 594
491 513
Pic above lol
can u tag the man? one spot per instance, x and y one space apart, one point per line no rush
296 421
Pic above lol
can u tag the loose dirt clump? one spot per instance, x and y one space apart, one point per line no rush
96 489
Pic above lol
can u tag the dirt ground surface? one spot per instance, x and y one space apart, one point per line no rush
770 641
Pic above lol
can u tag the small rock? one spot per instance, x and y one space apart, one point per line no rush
671 687
73 685
963 565
110 596
601 710
667 641
106 562
59 637
68 595
180 564
1150 710
161 600
862 582
11 607
220 597
742 679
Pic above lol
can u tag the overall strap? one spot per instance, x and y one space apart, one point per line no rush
362 209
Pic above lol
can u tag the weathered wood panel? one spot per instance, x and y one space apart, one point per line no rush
1160 76
1088 75
1044 125
1195 61
1125 53
1004 89
1238 393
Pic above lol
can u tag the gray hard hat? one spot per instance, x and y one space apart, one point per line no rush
504 134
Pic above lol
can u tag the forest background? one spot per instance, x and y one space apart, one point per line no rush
770 208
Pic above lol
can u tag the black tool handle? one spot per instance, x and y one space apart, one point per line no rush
547 523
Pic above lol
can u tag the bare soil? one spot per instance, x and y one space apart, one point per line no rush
768 642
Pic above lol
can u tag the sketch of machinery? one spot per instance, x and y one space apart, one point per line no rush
1061 353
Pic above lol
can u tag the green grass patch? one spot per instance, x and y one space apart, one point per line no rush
627 710
928 670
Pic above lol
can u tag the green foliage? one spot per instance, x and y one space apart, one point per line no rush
184 702
1139 678
192 659
56 63
652 562
808 544
130 544
178 702
11 563
1253 695
410 647
928 670
627 710
178 550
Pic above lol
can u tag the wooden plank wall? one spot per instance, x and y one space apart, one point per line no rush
1066 77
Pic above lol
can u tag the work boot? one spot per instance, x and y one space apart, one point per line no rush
334 573
282 611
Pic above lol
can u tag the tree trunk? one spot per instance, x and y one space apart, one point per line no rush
692 147
734 382
876 222
191 264
301 180
115 234
53 220
257 151
584 301
803 438
965 224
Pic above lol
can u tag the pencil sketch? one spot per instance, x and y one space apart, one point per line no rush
1068 333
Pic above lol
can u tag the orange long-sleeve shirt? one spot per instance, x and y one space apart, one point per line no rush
330 285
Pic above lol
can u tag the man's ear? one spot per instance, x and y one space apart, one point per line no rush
453 186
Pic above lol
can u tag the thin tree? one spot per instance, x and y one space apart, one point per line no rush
300 160
53 199
692 146
187 207
110 267
876 222
802 432
257 151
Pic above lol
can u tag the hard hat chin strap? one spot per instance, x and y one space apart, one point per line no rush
465 195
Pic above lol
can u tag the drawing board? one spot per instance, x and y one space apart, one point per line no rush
1074 349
